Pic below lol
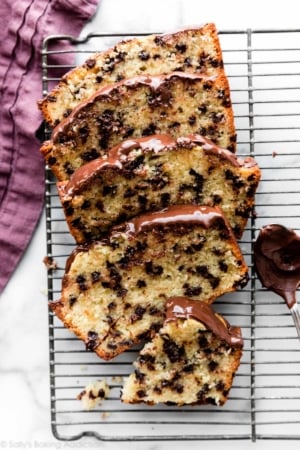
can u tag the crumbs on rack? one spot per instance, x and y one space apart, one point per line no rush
93 394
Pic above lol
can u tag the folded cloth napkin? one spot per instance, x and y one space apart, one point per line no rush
23 26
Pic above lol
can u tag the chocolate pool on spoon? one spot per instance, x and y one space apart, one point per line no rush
277 263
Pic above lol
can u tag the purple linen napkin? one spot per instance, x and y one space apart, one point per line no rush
23 25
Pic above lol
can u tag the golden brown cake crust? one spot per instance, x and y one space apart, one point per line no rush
114 292
190 50
149 173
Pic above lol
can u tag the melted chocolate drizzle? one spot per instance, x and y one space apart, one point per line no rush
202 215
277 261
184 308
118 156
156 83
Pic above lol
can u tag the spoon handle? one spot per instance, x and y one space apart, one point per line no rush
296 316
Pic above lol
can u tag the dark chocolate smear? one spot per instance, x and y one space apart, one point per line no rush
184 308
277 261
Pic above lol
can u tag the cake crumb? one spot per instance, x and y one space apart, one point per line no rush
93 395
50 263
105 415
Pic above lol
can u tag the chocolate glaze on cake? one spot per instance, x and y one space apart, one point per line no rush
184 308
185 214
117 156
203 215
158 84
277 261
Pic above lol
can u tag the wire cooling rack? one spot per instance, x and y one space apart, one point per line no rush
263 67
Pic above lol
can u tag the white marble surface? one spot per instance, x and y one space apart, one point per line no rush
24 375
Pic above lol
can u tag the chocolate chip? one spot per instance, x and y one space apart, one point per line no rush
99 205
95 276
141 394
189 368
211 401
165 199
139 375
212 365
216 117
220 385
52 160
84 133
236 180
153 310
152 269
69 211
89 155
141 283
90 63
80 279
119 77
86 204
68 168
181 47
173 351
109 190
72 300
109 64
135 163
243 282
202 341
178 388
128 131
191 291
215 62
143 55
148 131
188 62
147 358
202 108
174 125
101 393
223 266
111 306
207 86
192 120
142 201
92 340
217 199
138 313
202 393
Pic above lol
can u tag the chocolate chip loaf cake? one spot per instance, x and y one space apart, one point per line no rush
114 291
178 104
190 50
191 360
154 172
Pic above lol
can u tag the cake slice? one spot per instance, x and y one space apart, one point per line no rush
189 50
154 172
191 360
114 291
178 104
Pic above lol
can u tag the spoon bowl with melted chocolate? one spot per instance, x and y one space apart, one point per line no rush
277 264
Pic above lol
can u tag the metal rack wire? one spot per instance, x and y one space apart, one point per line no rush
263 67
